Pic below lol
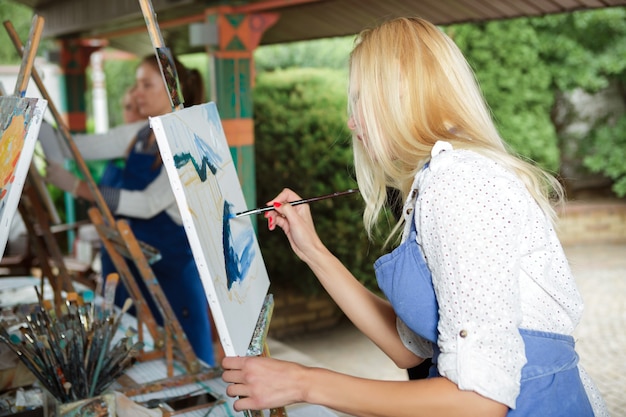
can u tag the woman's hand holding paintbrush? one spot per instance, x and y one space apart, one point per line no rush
289 212
297 223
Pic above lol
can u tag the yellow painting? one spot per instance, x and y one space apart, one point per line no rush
20 119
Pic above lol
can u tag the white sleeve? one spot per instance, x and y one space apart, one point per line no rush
413 342
471 220
100 146
53 145
110 145
149 202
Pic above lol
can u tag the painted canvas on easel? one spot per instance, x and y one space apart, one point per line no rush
207 189
20 119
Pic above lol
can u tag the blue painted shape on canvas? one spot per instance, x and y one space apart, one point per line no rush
209 159
239 253
238 258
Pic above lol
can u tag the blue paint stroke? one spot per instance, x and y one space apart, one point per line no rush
210 112
208 159
237 266
239 252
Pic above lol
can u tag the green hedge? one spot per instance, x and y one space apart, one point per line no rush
302 142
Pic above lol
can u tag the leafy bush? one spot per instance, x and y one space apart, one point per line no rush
609 153
318 53
20 16
302 142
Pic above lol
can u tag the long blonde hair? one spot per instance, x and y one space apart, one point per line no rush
410 86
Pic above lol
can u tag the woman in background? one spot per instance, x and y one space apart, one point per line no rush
112 173
143 197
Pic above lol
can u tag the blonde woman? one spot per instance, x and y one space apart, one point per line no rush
479 281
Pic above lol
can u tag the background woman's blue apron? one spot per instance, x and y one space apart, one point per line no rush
550 384
176 271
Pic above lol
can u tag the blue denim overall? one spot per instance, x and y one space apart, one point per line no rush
112 175
550 383
176 271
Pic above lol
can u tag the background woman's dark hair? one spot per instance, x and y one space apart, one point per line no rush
192 86
190 80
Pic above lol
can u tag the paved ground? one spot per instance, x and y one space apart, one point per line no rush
601 335
600 271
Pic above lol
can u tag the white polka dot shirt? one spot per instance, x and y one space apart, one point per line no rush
497 266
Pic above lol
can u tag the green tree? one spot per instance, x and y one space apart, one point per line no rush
320 53
523 66
21 17
609 153
505 56
585 51
527 66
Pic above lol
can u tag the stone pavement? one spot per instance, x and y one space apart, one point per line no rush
600 271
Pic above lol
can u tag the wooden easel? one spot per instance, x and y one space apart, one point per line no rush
119 241
34 204
39 226
258 345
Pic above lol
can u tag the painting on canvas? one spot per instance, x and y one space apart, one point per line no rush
207 189
20 119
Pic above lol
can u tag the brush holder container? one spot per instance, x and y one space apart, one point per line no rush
100 406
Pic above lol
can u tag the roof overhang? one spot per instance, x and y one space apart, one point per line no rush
122 24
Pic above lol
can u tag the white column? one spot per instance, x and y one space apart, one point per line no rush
100 110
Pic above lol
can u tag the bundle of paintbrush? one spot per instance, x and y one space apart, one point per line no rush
71 353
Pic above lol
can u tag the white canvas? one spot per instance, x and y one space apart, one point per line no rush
204 180
20 120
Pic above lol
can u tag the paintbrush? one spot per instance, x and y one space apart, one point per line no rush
71 354
49 310
293 203
109 333
89 300
109 293
118 369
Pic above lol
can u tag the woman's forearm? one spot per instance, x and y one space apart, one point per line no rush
263 383
370 398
